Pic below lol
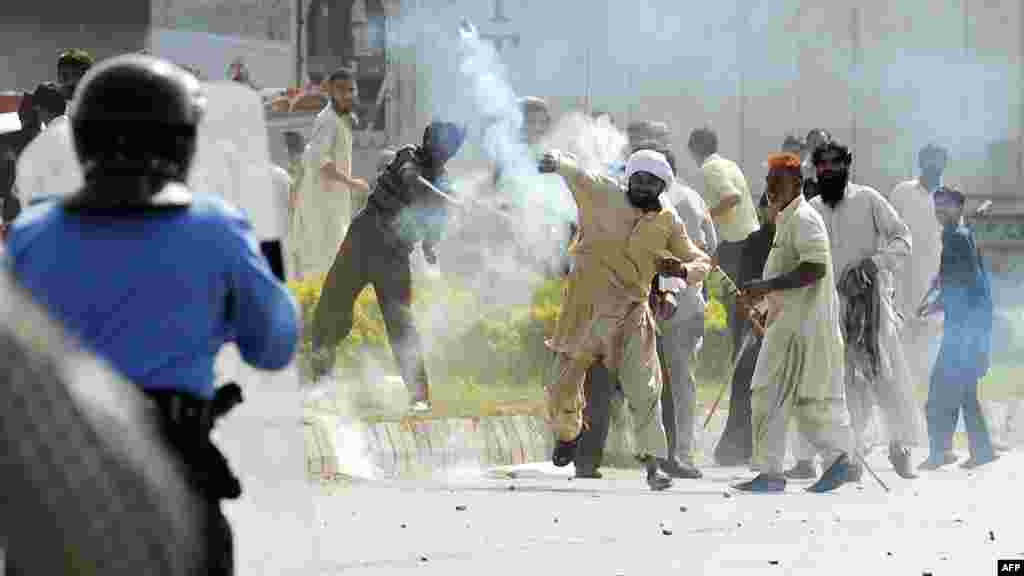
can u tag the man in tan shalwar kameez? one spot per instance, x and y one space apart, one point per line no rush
626 236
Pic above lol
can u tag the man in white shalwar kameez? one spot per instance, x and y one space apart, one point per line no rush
800 369
323 203
870 240
914 202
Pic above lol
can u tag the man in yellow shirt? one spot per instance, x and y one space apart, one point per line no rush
732 210
626 236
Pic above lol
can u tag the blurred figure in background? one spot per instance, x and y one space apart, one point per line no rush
964 295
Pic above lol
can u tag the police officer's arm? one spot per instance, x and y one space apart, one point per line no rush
263 315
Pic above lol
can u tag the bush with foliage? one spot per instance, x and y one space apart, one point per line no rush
502 347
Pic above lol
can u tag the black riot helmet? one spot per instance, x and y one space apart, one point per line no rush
136 117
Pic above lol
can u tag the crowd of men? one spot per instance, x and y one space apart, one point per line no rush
833 289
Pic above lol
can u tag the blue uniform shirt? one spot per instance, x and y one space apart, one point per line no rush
157 294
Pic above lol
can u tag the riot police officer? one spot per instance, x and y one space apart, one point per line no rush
153 277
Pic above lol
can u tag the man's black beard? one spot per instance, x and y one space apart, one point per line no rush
644 202
832 187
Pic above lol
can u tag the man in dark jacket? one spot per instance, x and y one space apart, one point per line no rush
405 208
965 298
734 448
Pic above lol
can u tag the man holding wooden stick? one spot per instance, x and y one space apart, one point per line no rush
800 370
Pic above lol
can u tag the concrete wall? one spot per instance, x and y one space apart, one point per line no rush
271 63
210 34
32 34
886 77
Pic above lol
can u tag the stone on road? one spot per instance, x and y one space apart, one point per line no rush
947 522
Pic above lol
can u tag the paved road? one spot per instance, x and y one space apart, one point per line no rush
539 521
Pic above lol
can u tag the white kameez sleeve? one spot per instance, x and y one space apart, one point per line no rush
811 237
896 243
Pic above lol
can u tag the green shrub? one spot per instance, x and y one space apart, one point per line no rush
503 348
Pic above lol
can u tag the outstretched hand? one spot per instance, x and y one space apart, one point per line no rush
549 162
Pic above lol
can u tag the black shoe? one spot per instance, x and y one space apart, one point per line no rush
565 452
1000 447
900 459
677 469
836 475
764 484
804 470
656 479
972 462
588 472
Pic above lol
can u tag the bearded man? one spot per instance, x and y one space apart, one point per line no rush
626 237
870 243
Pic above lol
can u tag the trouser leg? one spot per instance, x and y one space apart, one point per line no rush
640 375
565 395
803 448
392 281
679 345
770 403
858 402
730 255
893 387
220 546
941 411
736 440
332 318
825 424
596 413
978 437
668 412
